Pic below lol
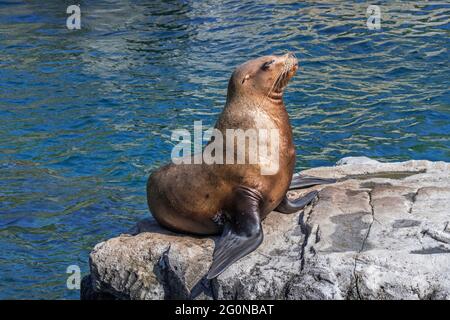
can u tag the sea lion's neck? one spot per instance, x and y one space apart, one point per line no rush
276 104
272 103
272 106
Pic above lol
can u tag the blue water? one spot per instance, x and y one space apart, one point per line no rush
86 115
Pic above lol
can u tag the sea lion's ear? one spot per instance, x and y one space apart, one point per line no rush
247 76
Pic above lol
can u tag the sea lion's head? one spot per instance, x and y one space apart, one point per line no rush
265 76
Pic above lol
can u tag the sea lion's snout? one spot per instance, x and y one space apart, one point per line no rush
291 62
287 68
290 56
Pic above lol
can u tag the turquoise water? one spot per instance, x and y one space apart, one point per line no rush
86 115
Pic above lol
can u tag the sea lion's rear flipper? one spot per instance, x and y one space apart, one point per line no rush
303 181
242 233
291 206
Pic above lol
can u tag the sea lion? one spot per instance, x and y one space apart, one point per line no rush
207 199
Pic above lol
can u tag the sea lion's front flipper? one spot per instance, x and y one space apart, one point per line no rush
242 232
291 206
303 181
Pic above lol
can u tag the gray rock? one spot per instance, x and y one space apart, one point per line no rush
356 160
381 232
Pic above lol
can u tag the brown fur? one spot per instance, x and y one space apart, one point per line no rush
187 197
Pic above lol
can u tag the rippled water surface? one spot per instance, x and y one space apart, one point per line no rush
86 115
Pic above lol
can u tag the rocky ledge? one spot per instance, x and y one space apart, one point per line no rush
381 232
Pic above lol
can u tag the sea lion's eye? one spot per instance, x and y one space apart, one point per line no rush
267 64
